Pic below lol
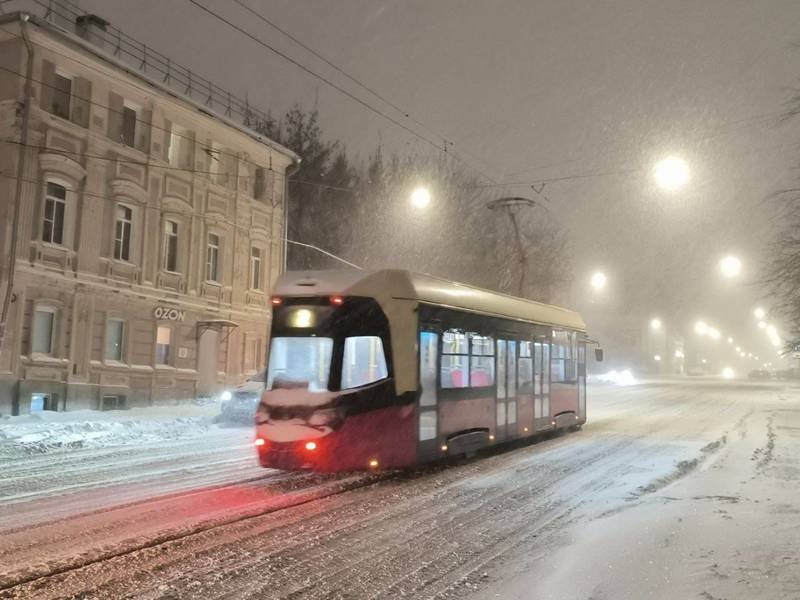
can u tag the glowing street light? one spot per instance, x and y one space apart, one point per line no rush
762 325
671 173
771 330
738 348
700 328
730 266
655 324
657 358
728 373
599 280
714 333
730 340
420 197
760 313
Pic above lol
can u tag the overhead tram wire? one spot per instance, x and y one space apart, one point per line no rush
340 89
352 78
161 212
755 119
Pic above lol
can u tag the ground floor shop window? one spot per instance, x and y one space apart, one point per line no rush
40 402
113 403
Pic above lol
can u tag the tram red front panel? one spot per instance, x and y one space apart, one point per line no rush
385 435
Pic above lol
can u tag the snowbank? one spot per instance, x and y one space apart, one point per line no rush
46 431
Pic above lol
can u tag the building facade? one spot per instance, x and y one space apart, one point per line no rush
140 232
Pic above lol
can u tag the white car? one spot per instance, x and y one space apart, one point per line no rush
239 404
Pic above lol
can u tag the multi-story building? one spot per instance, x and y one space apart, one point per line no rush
140 230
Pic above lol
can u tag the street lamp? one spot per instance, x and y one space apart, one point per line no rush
700 328
420 197
730 266
655 324
760 313
671 173
599 280
730 340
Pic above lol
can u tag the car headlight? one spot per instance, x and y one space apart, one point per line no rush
226 395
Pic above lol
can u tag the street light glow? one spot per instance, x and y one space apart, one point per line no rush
730 266
655 324
599 280
760 313
727 373
420 197
714 333
730 340
671 173
700 328
657 358
762 325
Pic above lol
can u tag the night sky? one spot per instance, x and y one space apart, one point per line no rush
531 90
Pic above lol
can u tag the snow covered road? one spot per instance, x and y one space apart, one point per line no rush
683 489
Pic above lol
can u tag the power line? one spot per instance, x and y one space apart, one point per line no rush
166 212
340 89
355 80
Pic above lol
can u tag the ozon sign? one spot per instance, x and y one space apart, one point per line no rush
165 313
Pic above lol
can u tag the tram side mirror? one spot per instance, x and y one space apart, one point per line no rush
598 354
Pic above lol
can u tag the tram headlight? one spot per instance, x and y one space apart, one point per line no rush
226 395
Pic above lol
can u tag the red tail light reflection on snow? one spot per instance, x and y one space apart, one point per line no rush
311 446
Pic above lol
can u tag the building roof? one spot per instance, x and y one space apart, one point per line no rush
393 284
74 39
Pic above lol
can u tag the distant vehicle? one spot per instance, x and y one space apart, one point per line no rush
759 374
388 369
239 405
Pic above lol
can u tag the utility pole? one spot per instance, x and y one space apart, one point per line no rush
512 205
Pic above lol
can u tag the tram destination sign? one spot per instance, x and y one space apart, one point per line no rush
168 313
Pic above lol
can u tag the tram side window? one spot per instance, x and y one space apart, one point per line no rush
467 360
455 359
481 373
564 363
525 368
363 362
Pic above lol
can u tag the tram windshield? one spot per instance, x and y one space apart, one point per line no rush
296 361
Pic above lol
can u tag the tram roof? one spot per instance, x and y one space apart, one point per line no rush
393 284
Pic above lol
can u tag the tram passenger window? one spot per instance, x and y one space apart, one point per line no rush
525 368
537 368
455 359
363 362
563 359
512 369
501 368
481 361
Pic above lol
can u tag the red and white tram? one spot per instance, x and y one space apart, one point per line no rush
391 368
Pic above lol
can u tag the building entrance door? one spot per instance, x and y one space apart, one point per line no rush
207 352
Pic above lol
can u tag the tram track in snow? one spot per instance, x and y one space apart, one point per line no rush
527 495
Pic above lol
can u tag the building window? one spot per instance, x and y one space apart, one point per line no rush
212 258
128 133
259 184
180 149
163 339
115 330
44 319
255 268
122 233
54 205
171 246
62 95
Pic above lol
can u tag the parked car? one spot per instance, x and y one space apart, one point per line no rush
239 404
